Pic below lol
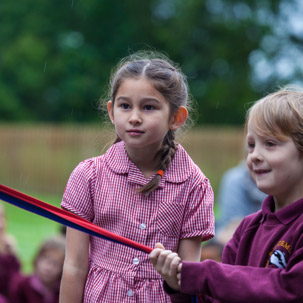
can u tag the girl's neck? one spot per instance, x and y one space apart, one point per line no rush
144 159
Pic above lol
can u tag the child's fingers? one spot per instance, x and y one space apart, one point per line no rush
179 274
161 263
179 279
171 263
179 267
158 257
154 255
166 264
159 245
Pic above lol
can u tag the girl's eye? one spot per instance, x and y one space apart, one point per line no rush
124 106
149 107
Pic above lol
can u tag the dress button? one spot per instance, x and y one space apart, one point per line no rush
130 293
142 226
136 261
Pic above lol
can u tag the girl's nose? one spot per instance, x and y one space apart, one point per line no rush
135 118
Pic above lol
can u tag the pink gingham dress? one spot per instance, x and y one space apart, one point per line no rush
103 191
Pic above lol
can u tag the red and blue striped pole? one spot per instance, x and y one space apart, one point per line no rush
64 217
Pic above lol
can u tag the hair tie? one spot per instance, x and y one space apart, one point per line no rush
160 172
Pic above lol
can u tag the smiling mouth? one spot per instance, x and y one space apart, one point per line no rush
261 171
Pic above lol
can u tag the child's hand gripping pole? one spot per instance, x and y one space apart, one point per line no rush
64 217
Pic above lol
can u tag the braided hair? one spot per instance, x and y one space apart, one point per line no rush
168 79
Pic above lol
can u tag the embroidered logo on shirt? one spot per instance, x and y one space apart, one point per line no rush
278 258
279 255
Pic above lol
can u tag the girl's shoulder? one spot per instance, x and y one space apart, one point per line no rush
183 168
115 158
88 167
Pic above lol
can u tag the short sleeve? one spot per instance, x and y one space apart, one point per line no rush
199 215
79 192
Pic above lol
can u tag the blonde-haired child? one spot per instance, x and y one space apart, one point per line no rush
263 262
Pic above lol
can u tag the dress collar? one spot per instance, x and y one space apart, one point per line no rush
178 171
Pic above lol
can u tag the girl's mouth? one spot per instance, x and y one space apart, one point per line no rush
134 132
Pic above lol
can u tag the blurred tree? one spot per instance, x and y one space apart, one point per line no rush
215 41
56 56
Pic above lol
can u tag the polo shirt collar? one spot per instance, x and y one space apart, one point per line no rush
284 215
178 171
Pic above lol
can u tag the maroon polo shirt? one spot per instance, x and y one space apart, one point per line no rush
262 263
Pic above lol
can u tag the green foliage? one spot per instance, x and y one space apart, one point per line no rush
56 56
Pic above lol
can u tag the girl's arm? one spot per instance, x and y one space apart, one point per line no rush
75 267
190 249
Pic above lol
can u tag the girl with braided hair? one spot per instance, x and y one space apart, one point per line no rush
145 187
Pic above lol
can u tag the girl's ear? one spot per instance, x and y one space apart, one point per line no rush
110 111
178 118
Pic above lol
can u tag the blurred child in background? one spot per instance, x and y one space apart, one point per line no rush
43 285
238 197
9 262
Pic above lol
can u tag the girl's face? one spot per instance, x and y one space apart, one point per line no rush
49 267
141 115
276 166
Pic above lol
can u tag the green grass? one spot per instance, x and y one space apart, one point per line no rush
30 230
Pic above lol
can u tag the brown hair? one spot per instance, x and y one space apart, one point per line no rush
53 243
279 114
168 79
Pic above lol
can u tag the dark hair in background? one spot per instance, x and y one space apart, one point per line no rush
168 79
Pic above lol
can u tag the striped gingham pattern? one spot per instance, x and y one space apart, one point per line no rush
102 190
